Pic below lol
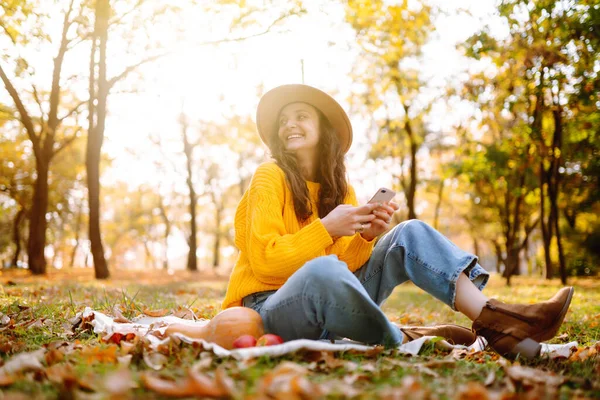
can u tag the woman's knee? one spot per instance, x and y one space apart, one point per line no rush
412 227
322 269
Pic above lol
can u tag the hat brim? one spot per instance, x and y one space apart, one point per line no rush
273 101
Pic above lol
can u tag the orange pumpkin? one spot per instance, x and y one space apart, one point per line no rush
225 327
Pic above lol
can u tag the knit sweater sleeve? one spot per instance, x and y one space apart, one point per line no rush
354 250
275 254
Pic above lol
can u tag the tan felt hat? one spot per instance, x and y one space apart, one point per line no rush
275 99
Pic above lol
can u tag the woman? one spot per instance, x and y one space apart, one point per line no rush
308 260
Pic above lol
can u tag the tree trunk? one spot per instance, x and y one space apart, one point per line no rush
17 236
553 194
96 135
546 226
77 236
192 262
412 187
165 218
37 221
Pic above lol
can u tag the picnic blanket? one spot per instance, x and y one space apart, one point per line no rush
148 327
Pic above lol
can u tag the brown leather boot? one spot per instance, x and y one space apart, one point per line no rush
454 334
513 329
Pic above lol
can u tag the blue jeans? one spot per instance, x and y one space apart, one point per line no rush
324 299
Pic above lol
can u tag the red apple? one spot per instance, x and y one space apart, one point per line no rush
269 339
244 341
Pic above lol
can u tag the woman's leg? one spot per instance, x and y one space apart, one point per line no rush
469 300
324 295
415 251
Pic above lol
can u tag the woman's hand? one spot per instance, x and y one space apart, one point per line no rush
347 220
383 216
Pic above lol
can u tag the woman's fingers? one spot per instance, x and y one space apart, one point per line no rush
361 227
366 218
382 215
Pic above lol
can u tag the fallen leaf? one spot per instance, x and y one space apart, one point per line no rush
125 361
288 381
120 382
155 313
24 362
97 354
194 384
473 391
155 360
61 373
533 376
185 313
490 378
225 382
584 353
6 379
53 356
119 317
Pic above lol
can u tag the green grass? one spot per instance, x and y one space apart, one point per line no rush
42 309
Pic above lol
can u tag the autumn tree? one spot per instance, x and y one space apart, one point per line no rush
144 16
41 111
391 37
545 77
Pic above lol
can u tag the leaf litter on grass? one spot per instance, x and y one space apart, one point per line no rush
47 353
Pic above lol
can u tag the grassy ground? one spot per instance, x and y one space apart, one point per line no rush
38 313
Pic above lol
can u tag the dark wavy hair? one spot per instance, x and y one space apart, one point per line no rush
331 172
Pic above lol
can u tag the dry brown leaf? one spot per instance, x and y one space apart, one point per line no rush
155 360
96 354
119 382
194 384
410 389
327 357
225 382
288 381
127 347
584 353
185 313
473 391
24 362
6 379
125 361
119 317
155 313
53 356
61 373
490 378
533 376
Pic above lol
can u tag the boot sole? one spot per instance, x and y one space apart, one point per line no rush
551 332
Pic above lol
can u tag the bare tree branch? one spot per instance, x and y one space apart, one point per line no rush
125 14
25 118
72 111
133 67
36 96
67 141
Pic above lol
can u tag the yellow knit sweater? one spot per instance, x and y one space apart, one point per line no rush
273 244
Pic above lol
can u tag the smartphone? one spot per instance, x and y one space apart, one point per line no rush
382 195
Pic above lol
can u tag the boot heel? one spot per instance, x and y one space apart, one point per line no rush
528 348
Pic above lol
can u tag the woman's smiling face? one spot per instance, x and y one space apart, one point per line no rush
299 127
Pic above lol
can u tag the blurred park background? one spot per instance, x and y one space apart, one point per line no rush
127 133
